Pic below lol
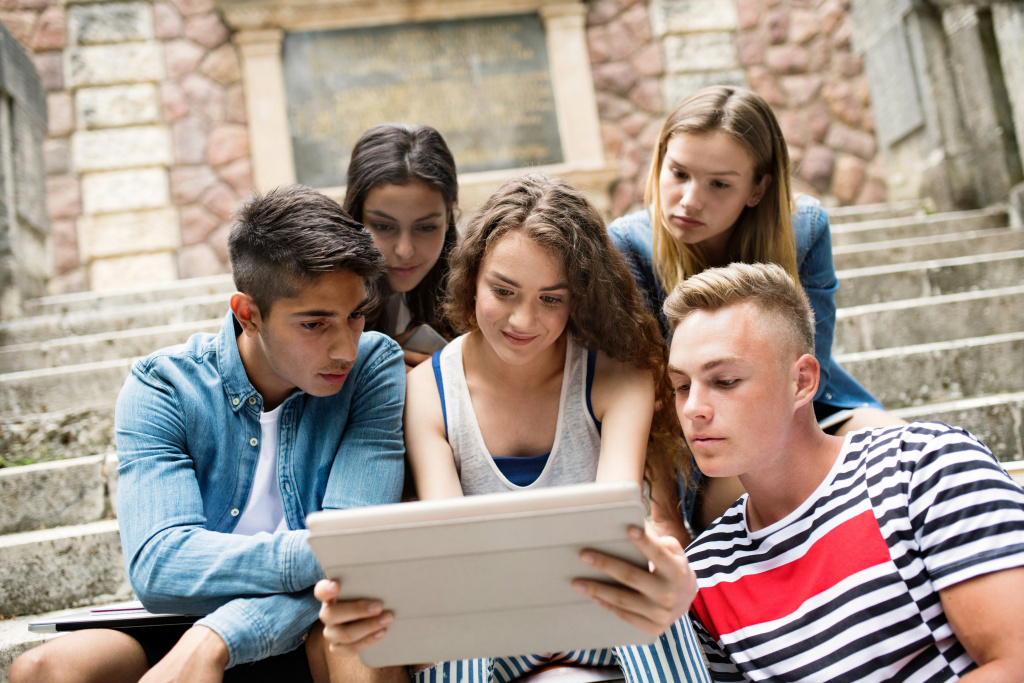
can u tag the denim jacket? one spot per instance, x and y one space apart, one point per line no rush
632 236
187 431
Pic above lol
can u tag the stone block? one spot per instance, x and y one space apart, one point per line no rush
220 201
199 260
647 62
114 64
680 86
132 271
847 178
167 22
238 175
58 568
117 191
207 30
182 57
63 197
221 65
700 52
998 421
108 150
189 182
56 156
59 113
787 59
110 22
51 33
119 234
189 136
927 248
116 106
21 24
190 8
65 245
849 140
204 96
817 167
615 77
50 67
196 225
173 102
51 494
690 16
227 142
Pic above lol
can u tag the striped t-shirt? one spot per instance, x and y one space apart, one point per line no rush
846 586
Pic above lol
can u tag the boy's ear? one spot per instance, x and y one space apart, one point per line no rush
246 313
807 373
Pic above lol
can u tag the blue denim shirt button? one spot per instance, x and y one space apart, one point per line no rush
253 441
234 401
287 487
234 512
252 400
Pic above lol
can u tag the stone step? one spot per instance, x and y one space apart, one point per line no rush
91 348
838 215
15 638
104 320
919 226
41 437
63 389
927 248
998 420
86 301
55 494
940 371
929 319
898 281
64 567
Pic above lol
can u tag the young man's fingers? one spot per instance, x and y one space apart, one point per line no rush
632 618
350 638
626 573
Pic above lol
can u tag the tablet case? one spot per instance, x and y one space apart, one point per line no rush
483 576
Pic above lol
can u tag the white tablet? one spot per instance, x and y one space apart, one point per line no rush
483 576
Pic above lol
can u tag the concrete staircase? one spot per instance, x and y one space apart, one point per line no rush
931 320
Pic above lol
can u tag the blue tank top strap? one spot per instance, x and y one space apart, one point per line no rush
435 361
591 362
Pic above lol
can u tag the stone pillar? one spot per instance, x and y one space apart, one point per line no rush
263 76
128 232
942 91
574 96
1008 21
24 226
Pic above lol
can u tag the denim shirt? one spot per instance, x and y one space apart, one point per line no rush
632 236
187 431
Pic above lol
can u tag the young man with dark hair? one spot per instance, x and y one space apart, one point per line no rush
894 554
227 442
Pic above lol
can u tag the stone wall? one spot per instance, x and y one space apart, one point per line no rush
795 53
147 153
147 149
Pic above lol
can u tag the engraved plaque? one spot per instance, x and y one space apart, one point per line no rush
483 83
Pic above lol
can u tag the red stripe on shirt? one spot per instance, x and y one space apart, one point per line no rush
853 546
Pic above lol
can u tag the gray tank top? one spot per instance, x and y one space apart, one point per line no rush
574 454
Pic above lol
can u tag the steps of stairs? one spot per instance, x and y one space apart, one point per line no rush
41 437
99 347
142 294
54 494
919 226
927 248
64 567
64 388
997 420
895 282
838 215
929 319
102 320
940 371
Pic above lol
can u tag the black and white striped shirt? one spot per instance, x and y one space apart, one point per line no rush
846 587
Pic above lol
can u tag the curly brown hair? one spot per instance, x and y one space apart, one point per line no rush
606 309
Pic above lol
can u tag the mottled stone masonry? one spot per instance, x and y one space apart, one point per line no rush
147 152
795 53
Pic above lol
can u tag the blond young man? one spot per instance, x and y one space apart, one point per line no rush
891 554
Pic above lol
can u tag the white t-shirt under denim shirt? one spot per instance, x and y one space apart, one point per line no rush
264 511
